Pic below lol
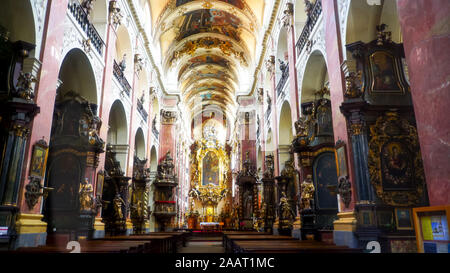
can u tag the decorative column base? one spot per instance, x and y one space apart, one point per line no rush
99 228
344 230
31 230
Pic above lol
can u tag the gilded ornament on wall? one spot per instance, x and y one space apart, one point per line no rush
395 163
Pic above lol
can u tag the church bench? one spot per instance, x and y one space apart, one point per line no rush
274 246
159 243
236 232
228 239
92 247
180 236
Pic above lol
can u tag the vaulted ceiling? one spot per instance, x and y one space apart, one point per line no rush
208 47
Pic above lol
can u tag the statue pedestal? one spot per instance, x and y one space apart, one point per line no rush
296 228
308 228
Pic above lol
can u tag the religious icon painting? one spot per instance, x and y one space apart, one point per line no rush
403 219
341 159
384 74
39 159
397 166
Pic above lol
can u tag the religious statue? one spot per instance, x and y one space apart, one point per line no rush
301 126
307 189
118 202
88 5
248 204
283 65
123 63
285 207
86 198
25 86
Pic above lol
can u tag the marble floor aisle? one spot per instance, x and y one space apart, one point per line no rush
203 245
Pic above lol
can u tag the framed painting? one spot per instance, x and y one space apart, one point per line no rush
100 181
39 159
403 219
341 159
384 74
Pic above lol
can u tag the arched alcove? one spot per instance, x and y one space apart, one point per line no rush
16 16
124 48
118 132
153 159
315 76
282 54
285 135
139 144
76 74
363 18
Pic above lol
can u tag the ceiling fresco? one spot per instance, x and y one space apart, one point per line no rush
209 47
208 20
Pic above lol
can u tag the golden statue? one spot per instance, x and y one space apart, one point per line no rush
286 211
307 195
86 199
118 202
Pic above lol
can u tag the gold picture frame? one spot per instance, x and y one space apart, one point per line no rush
100 182
403 219
340 153
39 159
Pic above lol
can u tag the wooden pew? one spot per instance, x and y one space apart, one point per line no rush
229 239
236 232
296 246
88 246
159 243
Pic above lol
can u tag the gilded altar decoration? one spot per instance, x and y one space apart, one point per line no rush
307 192
382 35
287 214
117 203
86 196
24 88
270 64
210 171
353 83
395 163
269 167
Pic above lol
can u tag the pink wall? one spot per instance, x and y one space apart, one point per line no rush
337 84
426 34
46 87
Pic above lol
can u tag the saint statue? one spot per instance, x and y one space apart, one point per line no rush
118 202
86 199
307 189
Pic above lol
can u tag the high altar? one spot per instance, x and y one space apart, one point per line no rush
210 180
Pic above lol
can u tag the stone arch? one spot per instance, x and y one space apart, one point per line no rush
139 144
76 74
285 135
124 46
118 132
363 18
20 23
315 76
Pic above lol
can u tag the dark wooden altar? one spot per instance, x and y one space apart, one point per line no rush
139 208
378 108
247 181
73 158
314 145
17 111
